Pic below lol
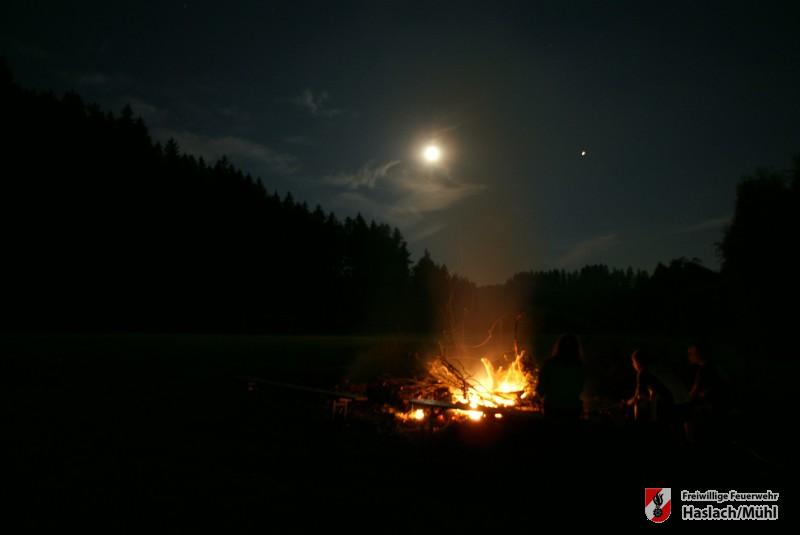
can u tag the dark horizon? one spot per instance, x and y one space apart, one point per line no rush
673 105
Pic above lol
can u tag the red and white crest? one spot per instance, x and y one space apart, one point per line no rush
657 504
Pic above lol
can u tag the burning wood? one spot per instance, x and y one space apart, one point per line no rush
453 389
463 393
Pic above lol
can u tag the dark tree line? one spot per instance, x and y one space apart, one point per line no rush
106 229
682 297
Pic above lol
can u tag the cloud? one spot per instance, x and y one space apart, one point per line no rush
353 201
421 193
582 251
315 104
708 224
236 148
397 192
367 176
426 232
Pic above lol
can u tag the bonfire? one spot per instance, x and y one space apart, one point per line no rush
472 389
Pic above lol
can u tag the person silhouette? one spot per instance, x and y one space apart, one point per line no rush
707 385
708 397
562 379
651 401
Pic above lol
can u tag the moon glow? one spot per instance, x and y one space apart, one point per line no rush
432 153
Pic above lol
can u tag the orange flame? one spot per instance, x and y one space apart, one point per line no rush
491 387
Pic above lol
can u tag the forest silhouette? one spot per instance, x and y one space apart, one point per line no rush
108 230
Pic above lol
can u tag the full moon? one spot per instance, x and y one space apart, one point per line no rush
432 153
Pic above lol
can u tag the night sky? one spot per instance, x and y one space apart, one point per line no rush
673 102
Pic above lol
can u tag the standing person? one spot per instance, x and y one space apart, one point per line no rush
562 379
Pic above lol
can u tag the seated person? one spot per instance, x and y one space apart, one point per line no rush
651 401
561 380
